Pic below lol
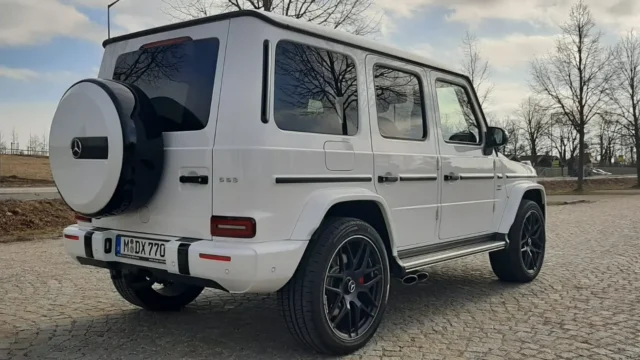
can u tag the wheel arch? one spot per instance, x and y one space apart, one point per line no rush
361 204
521 191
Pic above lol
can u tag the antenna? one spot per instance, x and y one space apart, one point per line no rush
109 18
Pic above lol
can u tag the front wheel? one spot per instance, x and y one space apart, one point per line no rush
335 301
522 260
144 291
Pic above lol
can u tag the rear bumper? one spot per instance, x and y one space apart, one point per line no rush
254 267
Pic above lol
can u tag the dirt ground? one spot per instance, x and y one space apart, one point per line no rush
26 220
19 170
568 186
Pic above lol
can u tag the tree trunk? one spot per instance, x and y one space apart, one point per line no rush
580 160
637 138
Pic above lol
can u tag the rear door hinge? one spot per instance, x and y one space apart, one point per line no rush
494 206
437 213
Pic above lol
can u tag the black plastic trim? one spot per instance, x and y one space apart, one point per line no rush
428 249
266 60
321 180
183 258
521 176
195 179
90 147
88 244
477 177
419 178
163 274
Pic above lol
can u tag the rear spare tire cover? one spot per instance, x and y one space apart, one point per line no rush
106 154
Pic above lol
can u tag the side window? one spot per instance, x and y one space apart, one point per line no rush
399 104
457 119
316 90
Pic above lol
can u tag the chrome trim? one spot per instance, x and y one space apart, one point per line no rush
452 254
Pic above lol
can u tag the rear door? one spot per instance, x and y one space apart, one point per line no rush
404 149
181 72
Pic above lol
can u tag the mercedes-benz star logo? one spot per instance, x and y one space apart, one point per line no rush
76 148
352 286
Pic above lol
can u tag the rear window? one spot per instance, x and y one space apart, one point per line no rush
178 78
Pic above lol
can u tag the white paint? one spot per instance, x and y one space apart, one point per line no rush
248 156
84 111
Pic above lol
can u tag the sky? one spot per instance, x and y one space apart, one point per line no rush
47 45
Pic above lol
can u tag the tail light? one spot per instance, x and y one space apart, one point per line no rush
166 42
71 237
235 227
80 218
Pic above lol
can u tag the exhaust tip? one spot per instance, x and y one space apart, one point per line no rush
422 276
410 279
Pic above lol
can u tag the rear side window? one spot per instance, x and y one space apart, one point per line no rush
177 77
316 90
399 104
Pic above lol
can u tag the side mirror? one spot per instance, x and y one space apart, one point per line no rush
496 137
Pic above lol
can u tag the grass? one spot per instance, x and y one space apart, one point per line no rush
567 187
19 170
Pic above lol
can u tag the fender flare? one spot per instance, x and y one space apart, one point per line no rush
320 201
514 198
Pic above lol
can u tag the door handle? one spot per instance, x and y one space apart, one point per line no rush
387 178
194 179
452 177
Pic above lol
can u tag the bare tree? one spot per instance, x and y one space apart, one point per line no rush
564 139
3 145
515 146
607 135
624 92
474 66
354 16
534 124
574 77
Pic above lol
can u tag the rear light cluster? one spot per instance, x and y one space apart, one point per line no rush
71 237
234 227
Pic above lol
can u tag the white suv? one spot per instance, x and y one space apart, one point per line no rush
250 152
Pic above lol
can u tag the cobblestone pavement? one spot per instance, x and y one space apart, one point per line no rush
584 305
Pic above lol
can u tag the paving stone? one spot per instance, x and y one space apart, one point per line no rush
582 306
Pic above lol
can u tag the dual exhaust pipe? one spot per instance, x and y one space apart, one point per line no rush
415 277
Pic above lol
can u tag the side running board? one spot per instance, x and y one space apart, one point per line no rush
414 259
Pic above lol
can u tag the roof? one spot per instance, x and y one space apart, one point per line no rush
302 27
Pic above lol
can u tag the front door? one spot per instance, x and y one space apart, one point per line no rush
404 149
468 175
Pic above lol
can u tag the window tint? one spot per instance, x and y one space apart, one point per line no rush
178 79
315 90
399 104
457 119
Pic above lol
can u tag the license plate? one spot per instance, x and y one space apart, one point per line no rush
140 249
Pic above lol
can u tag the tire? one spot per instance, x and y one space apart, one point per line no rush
310 302
138 290
522 260
106 148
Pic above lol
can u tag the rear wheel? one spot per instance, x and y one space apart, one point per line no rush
335 301
151 294
522 260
